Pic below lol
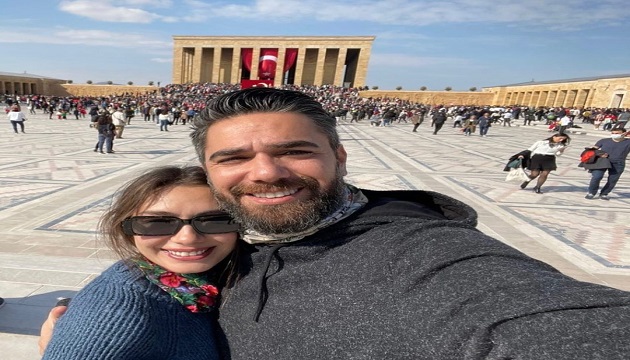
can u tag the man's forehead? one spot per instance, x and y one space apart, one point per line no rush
262 128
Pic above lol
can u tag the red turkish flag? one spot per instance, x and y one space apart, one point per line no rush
246 83
267 64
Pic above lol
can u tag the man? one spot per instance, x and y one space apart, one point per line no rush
616 150
565 123
118 119
484 124
336 272
439 118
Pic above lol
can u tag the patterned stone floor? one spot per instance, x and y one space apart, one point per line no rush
53 188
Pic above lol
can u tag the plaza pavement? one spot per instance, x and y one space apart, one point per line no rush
53 188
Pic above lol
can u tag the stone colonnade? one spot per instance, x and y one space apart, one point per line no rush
19 86
603 92
299 60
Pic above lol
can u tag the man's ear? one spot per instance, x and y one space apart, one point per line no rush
342 156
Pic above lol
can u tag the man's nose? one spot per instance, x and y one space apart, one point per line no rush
268 168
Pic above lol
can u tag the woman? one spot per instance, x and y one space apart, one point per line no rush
17 118
470 125
158 302
163 117
543 158
106 132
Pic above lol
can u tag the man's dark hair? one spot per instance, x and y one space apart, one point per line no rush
261 100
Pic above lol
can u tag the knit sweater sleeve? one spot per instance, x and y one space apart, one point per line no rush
106 320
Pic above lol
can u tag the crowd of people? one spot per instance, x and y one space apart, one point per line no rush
180 102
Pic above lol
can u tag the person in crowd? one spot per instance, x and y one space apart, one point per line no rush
543 158
439 118
507 118
328 263
106 132
118 119
616 149
470 125
160 300
415 120
565 123
16 117
163 118
530 115
484 124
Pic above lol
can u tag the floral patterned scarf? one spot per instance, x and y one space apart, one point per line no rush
194 291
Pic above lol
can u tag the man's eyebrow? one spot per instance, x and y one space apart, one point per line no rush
281 145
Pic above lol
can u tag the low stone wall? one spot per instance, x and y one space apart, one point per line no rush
435 97
99 90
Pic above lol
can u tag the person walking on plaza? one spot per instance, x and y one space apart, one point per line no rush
565 123
484 124
118 119
543 158
106 132
616 149
439 118
507 118
470 125
163 118
17 118
415 120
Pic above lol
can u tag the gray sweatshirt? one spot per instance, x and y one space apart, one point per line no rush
409 277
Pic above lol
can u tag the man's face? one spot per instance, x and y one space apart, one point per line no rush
274 172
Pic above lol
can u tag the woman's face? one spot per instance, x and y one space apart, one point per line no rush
187 251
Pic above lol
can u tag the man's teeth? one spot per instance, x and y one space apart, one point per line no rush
276 194
186 253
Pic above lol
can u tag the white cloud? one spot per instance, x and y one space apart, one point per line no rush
107 11
568 14
162 60
68 36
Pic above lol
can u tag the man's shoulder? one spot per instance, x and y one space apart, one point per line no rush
418 204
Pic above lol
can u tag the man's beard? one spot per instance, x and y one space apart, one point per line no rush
284 218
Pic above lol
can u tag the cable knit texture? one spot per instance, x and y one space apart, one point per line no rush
403 280
120 315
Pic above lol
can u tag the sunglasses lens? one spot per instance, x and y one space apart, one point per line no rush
214 224
154 226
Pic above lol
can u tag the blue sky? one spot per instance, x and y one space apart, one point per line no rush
456 43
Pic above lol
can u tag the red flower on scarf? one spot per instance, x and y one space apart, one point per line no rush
211 290
170 279
192 308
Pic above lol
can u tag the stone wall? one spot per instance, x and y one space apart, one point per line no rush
435 97
99 90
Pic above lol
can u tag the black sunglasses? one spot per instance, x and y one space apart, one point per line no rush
216 223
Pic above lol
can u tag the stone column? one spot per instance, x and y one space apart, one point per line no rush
216 65
279 79
299 65
319 68
253 74
235 73
364 58
197 64
341 60
178 61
